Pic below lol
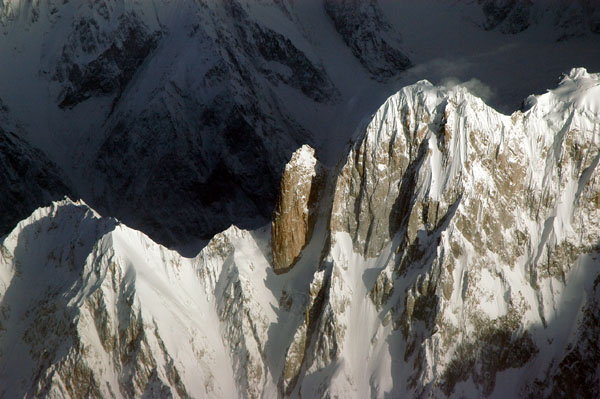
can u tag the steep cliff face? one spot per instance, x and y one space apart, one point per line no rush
461 242
295 214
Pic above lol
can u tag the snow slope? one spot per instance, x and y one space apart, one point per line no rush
151 107
91 308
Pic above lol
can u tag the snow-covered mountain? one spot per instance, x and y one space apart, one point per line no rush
178 117
91 308
462 255
452 252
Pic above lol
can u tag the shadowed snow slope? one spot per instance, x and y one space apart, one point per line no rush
28 180
455 253
176 117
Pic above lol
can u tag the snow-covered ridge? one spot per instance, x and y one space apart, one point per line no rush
454 254
577 89
91 308
460 242
110 313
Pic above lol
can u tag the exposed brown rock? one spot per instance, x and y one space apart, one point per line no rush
293 218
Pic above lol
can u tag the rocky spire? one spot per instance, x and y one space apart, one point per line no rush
294 215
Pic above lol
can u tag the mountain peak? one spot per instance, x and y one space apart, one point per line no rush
577 88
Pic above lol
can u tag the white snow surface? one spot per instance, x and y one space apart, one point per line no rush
303 159
83 294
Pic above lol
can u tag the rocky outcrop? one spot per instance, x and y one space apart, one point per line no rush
295 214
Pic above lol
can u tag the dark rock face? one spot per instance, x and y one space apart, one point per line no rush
195 183
370 37
112 69
251 46
570 18
577 18
304 76
263 46
28 179
510 16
